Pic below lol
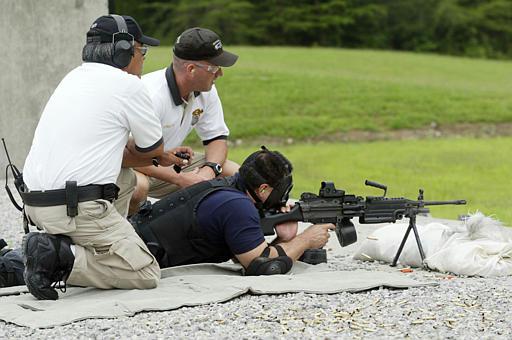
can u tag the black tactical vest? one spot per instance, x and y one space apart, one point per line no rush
170 229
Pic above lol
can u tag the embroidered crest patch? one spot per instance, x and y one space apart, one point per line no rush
196 115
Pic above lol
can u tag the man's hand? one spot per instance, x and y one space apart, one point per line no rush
189 178
288 207
318 234
169 157
206 172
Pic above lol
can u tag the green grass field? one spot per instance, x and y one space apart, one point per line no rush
306 92
477 170
276 93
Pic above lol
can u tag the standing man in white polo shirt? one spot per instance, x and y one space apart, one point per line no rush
185 98
79 144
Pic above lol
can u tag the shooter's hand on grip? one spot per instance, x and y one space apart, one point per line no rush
318 234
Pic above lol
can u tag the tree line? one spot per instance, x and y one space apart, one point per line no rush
475 28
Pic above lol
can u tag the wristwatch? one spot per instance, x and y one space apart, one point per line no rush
217 169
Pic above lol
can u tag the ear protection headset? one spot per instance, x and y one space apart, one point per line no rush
122 43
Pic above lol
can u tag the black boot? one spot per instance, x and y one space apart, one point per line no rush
48 260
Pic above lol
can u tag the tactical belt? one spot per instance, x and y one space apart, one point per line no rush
70 196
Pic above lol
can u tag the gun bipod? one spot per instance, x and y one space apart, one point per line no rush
412 225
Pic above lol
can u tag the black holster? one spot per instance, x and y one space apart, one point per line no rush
71 198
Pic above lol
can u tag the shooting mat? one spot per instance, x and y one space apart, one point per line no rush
191 285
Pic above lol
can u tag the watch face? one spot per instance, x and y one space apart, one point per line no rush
218 169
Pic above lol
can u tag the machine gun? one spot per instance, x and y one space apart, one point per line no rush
332 205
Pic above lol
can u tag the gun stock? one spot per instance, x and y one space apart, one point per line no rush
270 220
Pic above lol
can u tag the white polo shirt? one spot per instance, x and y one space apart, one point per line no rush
203 112
85 125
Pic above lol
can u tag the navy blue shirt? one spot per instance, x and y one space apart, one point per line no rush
229 219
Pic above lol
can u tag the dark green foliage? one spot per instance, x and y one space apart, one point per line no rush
476 28
301 22
368 25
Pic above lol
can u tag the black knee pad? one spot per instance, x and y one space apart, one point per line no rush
263 265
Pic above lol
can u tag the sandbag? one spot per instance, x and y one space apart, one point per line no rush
383 243
484 248
486 258
479 247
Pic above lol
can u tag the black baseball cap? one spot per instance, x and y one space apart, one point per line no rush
203 44
105 26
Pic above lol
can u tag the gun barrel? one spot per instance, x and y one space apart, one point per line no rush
454 202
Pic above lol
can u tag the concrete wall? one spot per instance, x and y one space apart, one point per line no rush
40 41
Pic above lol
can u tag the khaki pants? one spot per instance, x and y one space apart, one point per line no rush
159 188
126 182
109 254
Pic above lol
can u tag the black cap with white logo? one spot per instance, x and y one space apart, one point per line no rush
203 44
105 26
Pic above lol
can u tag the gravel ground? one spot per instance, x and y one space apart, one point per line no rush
459 307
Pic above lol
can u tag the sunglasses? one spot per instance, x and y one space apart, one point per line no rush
209 68
143 50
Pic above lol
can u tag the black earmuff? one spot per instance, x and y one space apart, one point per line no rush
122 43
